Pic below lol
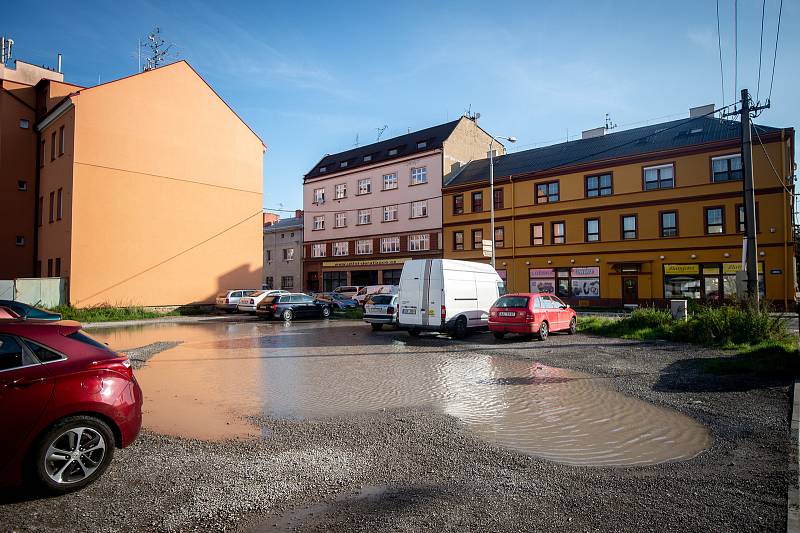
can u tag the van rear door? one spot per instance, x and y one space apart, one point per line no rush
410 300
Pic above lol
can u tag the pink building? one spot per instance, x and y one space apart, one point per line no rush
370 209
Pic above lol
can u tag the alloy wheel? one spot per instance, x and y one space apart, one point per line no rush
74 455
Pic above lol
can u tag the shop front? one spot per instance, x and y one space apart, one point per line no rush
327 275
711 282
579 283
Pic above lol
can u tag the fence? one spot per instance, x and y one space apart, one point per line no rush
43 292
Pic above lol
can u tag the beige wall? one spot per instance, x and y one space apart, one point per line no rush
468 142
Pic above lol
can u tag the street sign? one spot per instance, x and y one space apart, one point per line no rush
487 247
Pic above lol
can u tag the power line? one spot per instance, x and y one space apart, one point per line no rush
719 44
735 47
775 57
760 48
771 164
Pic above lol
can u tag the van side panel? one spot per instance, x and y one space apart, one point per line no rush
435 295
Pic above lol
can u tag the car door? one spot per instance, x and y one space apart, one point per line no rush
551 311
25 389
561 310
309 307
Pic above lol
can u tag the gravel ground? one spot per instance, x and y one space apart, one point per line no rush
139 356
415 470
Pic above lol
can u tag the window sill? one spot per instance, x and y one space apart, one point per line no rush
393 220
364 224
392 189
318 229
421 216
415 184
363 193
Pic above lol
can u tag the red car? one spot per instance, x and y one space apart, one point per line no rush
531 313
66 401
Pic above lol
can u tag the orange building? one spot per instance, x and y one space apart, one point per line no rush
632 217
149 190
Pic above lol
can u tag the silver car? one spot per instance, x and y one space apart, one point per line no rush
229 300
381 309
249 303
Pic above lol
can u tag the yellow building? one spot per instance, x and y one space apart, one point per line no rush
635 217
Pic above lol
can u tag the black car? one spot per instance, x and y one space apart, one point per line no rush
22 310
291 306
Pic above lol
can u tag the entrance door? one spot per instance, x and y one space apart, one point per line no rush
630 290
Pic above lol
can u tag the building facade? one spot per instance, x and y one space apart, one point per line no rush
370 209
149 190
283 253
632 218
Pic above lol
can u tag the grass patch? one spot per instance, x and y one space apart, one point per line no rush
768 359
349 314
106 313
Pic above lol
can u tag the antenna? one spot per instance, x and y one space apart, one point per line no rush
356 143
157 50
380 132
6 44
610 125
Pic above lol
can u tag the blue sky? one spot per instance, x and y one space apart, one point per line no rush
310 76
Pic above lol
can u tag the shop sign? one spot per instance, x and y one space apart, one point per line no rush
366 262
542 273
733 268
586 272
672 270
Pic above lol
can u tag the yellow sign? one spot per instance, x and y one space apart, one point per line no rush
366 262
733 268
681 269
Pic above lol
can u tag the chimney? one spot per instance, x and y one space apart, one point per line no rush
594 132
700 111
298 213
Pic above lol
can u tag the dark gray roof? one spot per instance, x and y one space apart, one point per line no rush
285 223
657 137
406 144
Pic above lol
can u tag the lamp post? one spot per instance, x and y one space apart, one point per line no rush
491 186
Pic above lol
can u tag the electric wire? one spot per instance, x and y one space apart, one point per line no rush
775 56
760 48
719 45
735 47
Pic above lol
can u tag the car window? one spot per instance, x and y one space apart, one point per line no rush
85 338
257 293
382 299
291 299
512 301
501 288
45 355
11 354
306 299
557 302
546 302
537 302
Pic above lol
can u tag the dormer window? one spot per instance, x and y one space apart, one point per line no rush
343 164
422 144
393 151
323 169
367 158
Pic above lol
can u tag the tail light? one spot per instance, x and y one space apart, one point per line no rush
492 312
390 310
274 307
444 312
529 317
227 301
120 365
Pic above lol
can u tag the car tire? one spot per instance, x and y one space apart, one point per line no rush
287 315
544 331
499 335
573 326
326 312
460 328
95 449
414 332
376 327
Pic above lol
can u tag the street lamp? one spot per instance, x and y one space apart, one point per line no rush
491 184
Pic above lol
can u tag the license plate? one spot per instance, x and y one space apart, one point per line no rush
409 310
371 309
507 313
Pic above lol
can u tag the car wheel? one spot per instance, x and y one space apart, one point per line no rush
460 328
499 335
73 453
326 312
287 315
573 326
377 327
544 331
413 332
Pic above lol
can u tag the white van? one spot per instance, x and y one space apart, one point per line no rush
447 295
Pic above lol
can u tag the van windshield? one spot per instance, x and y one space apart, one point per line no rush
512 301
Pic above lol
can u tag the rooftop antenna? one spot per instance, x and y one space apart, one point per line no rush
610 125
356 143
380 132
157 50
6 44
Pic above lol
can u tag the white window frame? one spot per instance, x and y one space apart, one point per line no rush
318 250
319 196
419 209
341 248
419 243
387 210
419 175
364 247
364 216
288 254
340 219
364 186
319 222
657 168
392 181
387 241
340 191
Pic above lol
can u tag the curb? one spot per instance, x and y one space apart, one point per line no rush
793 496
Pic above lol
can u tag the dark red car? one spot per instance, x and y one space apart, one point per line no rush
531 313
66 401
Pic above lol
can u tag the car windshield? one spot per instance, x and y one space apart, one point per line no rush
512 301
381 299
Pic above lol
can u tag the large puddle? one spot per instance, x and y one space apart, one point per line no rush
224 371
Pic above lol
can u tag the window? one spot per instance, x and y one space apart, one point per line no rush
599 185
660 177
11 354
58 267
419 209
726 168
45 355
343 164
715 220
269 255
367 158
392 277
268 283
318 250
419 176
365 186
319 196
419 243
389 181
340 220
477 239
52 206
592 229
669 223
393 151
319 222
629 227
61 141
20 240
341 248
499 237
389 213
458 204
390 245
364 246
365 216
477 202
49 268
53 146
287 282
22 185
421 145
340 191
537 234
499 199
740 218
547 192
559 234
24 124
323 169
60 204
41 154
458 240
288 254
41 210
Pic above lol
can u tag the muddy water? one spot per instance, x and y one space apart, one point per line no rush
224 371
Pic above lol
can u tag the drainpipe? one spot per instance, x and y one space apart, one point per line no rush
785 236
36 189
513 232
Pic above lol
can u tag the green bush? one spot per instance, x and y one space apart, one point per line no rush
650 317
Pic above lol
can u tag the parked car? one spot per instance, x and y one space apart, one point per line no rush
229 300
381 309
447 295
369 290
14 309
347 290
248 304
291 306
66 402
531 313
336 300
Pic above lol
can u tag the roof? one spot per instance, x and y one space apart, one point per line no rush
407 144
654 138
285 223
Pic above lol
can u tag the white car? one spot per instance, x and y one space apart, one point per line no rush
228 300
371 290
347 290
381 309
249 303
